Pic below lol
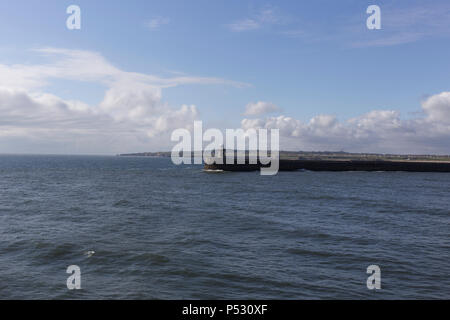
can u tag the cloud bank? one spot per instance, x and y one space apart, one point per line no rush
380 131
131 116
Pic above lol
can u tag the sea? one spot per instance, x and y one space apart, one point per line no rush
144 228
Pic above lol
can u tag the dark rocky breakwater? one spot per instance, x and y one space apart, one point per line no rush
340 165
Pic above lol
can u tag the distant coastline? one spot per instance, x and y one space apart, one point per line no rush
318 155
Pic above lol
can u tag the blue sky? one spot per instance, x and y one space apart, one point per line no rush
308 58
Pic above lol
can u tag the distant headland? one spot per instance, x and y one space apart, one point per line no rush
329 161
319 155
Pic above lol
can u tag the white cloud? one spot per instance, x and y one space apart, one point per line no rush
46 118
130 114
141 105
266 16
437 107
245 25
259 108
376 131
157 22
81 65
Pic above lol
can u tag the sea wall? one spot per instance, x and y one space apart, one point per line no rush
338 165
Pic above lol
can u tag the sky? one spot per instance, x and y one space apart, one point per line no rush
137 70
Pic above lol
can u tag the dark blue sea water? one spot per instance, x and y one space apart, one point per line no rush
161 231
